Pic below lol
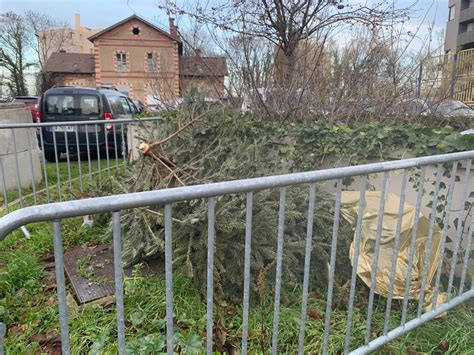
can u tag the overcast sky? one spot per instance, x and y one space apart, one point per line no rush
103 13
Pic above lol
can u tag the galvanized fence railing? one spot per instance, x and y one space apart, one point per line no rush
457 293
51 161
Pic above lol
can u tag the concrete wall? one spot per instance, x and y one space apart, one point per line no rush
215 85
86 80
17 113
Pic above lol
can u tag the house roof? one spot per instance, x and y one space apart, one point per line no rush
203 66
133 17
62 62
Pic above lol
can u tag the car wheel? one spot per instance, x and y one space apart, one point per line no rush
50 155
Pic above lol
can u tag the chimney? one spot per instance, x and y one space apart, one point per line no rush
77 21
173 28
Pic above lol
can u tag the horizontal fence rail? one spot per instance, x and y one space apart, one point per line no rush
54 161
168 198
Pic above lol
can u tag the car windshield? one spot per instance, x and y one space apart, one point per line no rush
72 105
449 106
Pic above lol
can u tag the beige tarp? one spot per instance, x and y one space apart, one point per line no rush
350 204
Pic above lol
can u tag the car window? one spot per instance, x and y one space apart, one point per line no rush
89 105
72 105
133 106
119 105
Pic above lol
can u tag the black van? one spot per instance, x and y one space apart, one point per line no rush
63 104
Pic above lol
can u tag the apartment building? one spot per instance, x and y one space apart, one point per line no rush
460 26
70 40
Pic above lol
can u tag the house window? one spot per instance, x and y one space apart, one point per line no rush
151 61
452 12
470 27
121 61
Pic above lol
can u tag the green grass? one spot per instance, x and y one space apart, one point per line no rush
68 181
28 305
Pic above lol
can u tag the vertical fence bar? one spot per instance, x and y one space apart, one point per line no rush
78 151
107 148
17 168
332 265
453 75
117 240
43 158
88 152
467 251
56 158
457 241
396 247
169 279
4 181
419 81
98 150
445 232
115 146
68 161
3 331
307 264
419 197
373 276
427 256
355 263
33 180
279 261
210 270
124 145
61 286
247 252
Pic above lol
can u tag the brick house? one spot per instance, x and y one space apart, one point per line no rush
145 61
74 69
206 73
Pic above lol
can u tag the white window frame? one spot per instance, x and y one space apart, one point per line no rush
121 59
151 62
452 13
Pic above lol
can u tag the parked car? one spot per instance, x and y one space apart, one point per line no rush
31 103
68 104
452 108
139 105
413 107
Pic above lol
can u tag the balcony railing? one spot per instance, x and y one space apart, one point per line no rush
466 14
465 38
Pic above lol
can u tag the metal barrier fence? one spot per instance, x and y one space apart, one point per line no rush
32 159
456 295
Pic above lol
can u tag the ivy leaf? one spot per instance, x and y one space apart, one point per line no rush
137 318
192 344
98 345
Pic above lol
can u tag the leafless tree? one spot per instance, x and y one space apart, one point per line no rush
52 35
296 31
15 43
19 43
286 23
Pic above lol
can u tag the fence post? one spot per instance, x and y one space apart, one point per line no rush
418 84
453 75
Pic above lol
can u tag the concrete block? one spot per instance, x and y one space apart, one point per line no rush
27 152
